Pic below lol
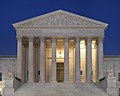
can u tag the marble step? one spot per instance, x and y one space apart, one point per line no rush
58 89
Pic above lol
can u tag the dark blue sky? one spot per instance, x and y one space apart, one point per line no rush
12 11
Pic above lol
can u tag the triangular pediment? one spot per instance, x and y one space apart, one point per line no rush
59 18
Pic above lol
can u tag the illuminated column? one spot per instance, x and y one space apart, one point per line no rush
42 60
77 60
19 57
53 60
89 60
31 66
100 58
66 60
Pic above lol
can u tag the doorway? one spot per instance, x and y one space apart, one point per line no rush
60 72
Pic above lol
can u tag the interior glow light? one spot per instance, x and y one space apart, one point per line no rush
60 54
81 45
93 45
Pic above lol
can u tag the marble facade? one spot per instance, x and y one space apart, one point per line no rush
34 34
60 48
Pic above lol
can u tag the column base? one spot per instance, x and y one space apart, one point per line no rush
66 82
42 82
30 81
90 82
54 82
78 81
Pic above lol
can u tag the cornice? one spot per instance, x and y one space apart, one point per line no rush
59 28
72 32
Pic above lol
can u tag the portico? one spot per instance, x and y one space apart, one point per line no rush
78 56
60 47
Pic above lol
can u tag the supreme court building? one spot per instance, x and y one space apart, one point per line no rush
60 50
60 47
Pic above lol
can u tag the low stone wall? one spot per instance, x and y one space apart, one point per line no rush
17 83
103 83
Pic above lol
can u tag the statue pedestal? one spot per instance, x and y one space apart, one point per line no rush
9 88
111 86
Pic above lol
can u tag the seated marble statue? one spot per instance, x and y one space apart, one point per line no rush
110 72
10 73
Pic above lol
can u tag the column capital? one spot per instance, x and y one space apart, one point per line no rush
31 39
66 39
100 39
19 38
25 43
42 39
53 39
89 40
77 39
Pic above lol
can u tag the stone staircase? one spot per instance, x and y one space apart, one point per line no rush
59 89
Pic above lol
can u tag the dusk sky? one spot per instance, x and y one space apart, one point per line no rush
12 11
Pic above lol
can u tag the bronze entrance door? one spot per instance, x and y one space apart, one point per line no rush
60 72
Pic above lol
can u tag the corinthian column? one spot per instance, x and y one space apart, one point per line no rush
66 60
53 60
100 58
30 61
42 60
77 60
89 60
19 57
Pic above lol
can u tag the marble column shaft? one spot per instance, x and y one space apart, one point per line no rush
100 58
31 60
53 59
42 60
77 60
66 60
23 63
19 57
89 60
